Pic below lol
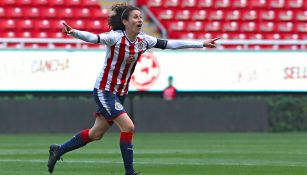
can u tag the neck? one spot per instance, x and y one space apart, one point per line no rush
132 36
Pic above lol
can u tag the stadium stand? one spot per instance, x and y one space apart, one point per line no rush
233 19
265 20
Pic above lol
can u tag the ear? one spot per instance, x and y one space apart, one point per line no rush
125 22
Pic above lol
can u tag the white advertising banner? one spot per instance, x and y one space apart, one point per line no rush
191 70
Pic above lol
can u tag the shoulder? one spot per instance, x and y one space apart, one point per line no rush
112 36
114 33
146 37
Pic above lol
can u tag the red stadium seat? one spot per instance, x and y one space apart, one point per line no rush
89 3
286 15
271 36
267 27
267 15
40 2
231 26
301 27
8 34
48 13
165 14
295 3
171 3
195 26
78 24
303 36
248 27
257 4
290 36
2 12
7 2
205 3
222 3
56 3
188 3
57 24
301 15
24 34
65 13
239 4
183 15
57 34
217 15
255 36
43 24
213 26
233 15
8 24
237 36
250 15
15 12
82 13
199 15
40 34
189 35
26 24
155 3
32 12
71 3
97 13
285 26
277 4
176 26
98 26
24 2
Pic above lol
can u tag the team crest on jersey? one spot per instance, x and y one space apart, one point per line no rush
118 106
140 45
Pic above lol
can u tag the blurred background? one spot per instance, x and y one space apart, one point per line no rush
256 79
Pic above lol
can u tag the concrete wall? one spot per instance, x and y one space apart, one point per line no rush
151 115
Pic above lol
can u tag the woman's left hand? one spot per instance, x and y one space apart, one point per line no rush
211 43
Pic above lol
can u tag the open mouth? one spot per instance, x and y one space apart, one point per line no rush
139 25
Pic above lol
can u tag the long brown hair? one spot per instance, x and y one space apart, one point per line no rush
121 12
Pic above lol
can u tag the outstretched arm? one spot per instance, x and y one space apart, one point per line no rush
181 44
83 35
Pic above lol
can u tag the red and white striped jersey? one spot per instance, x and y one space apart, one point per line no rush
121 59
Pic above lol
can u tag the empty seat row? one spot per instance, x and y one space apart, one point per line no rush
52 25
239 36
69 3
229 15
51 12
292 27
222 4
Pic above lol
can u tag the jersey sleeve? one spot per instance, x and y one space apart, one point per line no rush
108 38
151 41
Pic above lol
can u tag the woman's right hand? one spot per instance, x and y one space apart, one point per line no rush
67 29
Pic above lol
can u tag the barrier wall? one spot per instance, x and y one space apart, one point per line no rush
151 115
197 70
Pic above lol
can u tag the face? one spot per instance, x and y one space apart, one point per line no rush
134 22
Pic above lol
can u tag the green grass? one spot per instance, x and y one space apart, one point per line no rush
163 154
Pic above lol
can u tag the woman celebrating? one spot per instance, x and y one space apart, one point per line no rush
125 44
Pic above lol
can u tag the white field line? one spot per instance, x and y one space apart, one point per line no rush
117 151
169 162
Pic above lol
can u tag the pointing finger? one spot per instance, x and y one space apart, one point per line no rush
66 25
215 39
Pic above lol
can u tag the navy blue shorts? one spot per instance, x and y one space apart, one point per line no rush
109 105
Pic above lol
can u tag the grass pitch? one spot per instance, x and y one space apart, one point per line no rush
163 154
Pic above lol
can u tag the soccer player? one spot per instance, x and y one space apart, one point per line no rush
125 44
